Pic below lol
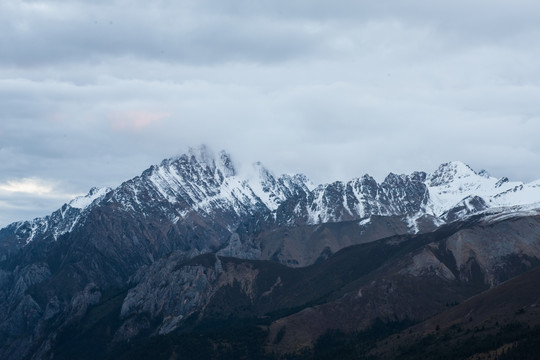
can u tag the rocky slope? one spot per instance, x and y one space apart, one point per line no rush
200 189
449 267
497 324
405 279
136 247
19 234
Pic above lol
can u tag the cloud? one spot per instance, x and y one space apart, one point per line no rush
135 120
36 187
26 198
88 32
28 185
95 92
210 33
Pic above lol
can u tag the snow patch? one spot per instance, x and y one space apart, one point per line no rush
365 221
412 223
453 182
82 202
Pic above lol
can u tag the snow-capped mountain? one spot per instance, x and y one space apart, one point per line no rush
49 228
180 239
451 192
455 183
209 186
200 185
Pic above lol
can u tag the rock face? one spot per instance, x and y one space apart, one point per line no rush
171 289
146 241
402 278
447 266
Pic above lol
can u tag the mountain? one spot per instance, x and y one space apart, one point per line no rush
192 242
494 324
19 234
204 188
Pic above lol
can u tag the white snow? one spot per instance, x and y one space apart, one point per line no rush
365 221
504 213
309 184
223 189
82 202
317 212
210 185
255 183
461 182
412 223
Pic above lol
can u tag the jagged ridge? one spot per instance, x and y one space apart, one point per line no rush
204 185
56 268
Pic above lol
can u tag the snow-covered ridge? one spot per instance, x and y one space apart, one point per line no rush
207 185
453 191
453 182
61 221
503 213
82 202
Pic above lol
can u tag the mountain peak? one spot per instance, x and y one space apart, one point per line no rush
225 164
84 201
203 155
484 173
456 165
450 171
262 171
395 179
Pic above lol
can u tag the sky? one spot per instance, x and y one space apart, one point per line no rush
94 92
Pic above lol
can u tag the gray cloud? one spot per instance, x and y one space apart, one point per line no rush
209 32
45 33
93 93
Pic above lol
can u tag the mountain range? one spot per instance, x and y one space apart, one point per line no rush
193 254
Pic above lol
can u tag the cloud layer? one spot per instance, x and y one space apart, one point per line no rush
94 92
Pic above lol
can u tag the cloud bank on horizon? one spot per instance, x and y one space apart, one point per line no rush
94 92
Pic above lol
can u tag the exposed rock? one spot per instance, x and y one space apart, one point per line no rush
82 300
144 234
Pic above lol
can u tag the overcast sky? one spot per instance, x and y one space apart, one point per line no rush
94 92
